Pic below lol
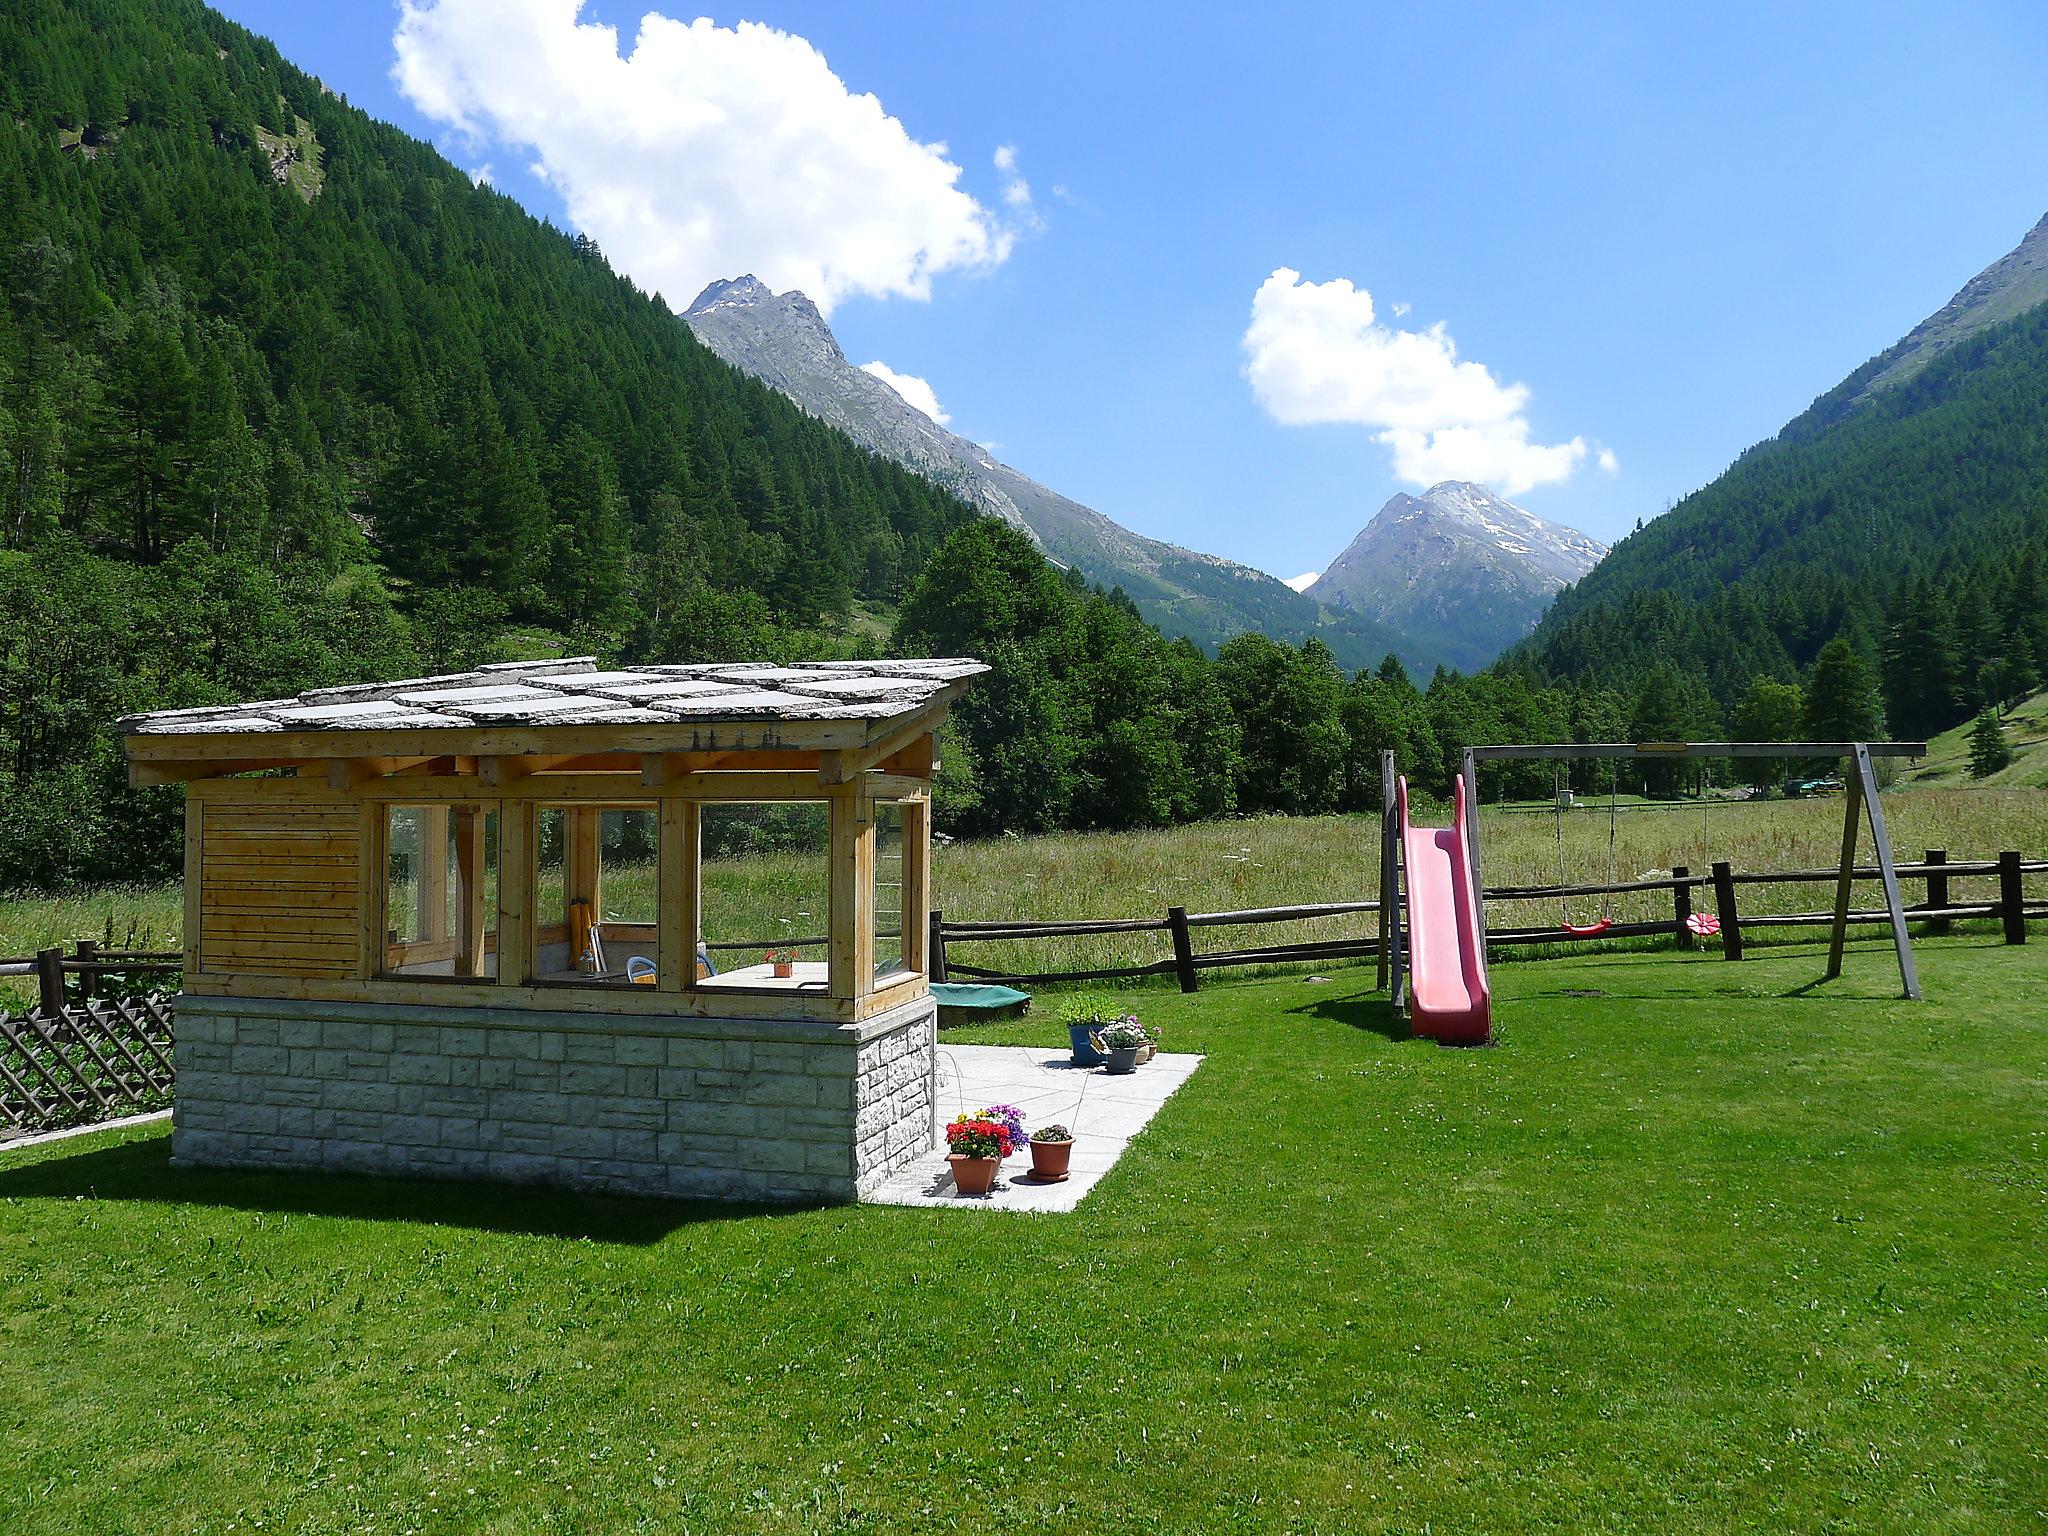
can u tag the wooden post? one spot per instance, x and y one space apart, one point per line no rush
2012 898
430 879
1937 891
1387 858
1724 908
935 951
195 886
1839 933
515 891
851 969
1681 907
1392 915
87 957
1888 874
471 921
675 903
50 980
1472 839
1183 947
372 888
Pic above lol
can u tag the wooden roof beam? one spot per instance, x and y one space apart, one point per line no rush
345 773
498 772
149 775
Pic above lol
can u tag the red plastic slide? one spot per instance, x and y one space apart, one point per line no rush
1449 1000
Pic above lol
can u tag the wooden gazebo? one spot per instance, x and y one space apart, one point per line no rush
454 925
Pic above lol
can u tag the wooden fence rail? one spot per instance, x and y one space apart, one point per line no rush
89 1061
92 965
1723 881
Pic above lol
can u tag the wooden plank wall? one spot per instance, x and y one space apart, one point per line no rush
279 886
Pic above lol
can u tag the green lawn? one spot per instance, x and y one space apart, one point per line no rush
1716 1249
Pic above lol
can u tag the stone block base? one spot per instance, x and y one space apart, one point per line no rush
734 1109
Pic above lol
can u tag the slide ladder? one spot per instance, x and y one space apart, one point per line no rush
1449 1000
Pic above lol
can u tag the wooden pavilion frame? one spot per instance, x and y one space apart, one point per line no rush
1863 806
286 885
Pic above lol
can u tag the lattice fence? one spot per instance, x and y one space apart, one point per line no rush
88 1061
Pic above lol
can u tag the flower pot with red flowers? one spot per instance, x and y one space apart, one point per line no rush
1052 1149
976 1145
781 962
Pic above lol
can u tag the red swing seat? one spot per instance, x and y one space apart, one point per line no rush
1587 930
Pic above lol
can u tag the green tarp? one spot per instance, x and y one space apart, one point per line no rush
960 1001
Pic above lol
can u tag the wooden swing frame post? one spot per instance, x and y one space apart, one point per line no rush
1863 805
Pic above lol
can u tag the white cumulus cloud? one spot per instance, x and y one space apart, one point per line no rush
916 392
1302 582
1316 352
705 151
1609 462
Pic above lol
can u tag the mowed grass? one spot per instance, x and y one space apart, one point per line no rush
1714 1249
1228 866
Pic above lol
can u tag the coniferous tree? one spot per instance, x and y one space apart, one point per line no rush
1989 749
1841 696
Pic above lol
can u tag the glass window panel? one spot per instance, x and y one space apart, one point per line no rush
888 903
765 896
596 917
441 891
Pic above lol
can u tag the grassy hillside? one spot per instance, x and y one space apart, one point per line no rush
1948 755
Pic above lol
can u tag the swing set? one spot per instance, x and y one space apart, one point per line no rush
1403 909
1700 924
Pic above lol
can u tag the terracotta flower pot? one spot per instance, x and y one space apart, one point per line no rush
784 970
1146 1052
1049 1160
973 1175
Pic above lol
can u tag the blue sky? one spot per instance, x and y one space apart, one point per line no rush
1673 224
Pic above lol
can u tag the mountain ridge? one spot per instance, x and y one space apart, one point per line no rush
784 341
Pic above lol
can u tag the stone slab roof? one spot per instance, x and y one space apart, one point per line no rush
575 691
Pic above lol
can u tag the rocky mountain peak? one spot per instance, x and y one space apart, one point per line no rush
1458 562
729 291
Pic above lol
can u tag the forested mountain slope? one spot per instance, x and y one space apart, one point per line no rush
1910 519
285 400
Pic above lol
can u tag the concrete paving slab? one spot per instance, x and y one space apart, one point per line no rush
1102 1111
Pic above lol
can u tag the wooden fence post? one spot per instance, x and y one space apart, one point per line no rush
1724 907
88 979
1681 907
50 979
1937 890
1183 948
2012 898
935 950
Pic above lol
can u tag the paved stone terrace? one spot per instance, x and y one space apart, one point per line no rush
1103 1112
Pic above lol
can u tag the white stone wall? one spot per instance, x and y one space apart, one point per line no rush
720 1108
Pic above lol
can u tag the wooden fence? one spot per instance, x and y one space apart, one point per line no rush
90 1061
1185 963
95 968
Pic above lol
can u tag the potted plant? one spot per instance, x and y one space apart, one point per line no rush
782 961
1120 1040
1081 1027
1052 1148
976 1145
